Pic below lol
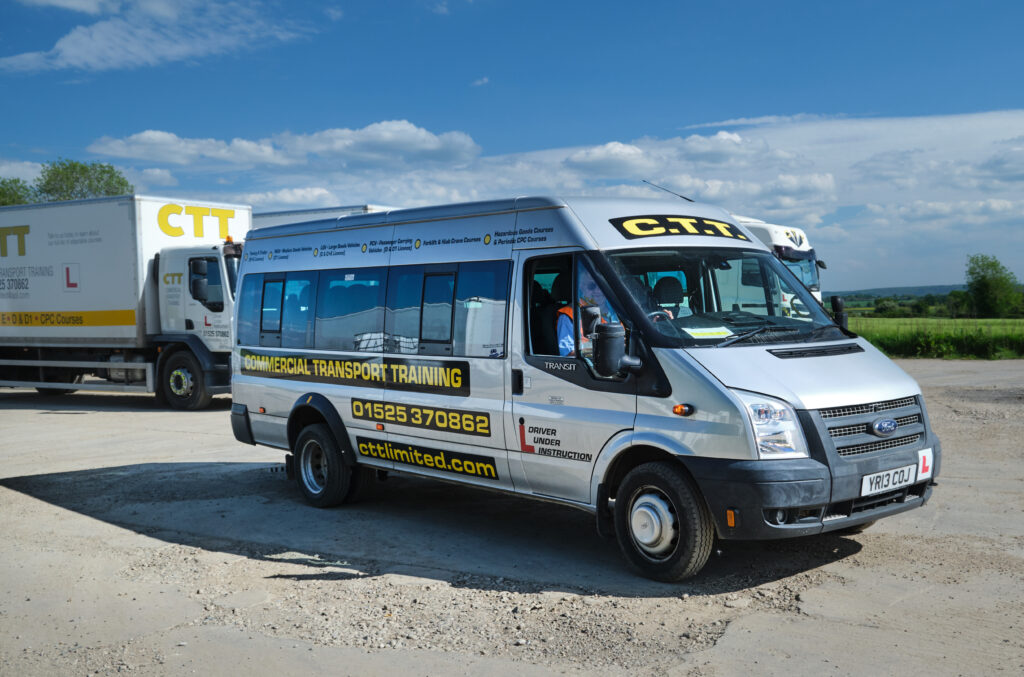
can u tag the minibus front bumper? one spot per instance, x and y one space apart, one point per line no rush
756 500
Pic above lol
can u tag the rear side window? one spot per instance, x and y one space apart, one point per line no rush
405 294
270 316
297 317
249 310
481 301
350 310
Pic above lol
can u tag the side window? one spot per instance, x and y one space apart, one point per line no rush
481 304
270 313
436 317
549 293
350 310
589 295
297 317
402 324
249 310
204 282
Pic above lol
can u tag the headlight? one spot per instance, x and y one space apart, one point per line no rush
776 427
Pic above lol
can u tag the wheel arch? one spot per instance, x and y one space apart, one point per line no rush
313 408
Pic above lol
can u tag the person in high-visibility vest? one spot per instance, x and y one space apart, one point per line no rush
589 295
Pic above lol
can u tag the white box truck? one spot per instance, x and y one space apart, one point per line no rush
791 246
137 291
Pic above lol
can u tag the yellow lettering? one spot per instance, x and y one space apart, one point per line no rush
688 224
222 216
633 227
197 214
163 220
19 232
457 378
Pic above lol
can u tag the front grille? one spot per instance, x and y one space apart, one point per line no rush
881 445
848 430
865 428
874 408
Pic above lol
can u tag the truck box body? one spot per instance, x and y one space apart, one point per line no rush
80 273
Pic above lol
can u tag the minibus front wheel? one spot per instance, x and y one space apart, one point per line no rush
661 522
324 477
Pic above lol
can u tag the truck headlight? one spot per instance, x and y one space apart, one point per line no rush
776 427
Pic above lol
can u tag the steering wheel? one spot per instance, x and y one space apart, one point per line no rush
659 316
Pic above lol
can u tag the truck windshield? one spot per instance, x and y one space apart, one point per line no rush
708 297
805 269
231 264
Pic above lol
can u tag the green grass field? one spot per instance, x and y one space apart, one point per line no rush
943 337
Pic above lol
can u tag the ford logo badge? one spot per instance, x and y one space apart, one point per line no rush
884 427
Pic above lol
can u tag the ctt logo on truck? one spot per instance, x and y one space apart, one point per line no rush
19 232
198 214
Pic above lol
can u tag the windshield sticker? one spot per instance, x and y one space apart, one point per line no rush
634 227
707 332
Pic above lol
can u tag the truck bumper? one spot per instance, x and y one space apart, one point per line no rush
801 497
240 425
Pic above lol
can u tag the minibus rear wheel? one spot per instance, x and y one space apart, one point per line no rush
323 476
661 522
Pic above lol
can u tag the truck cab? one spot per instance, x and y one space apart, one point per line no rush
791 246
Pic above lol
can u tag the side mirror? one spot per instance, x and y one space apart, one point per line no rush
197 287
610 356
821 264
839 311
197 267
590 319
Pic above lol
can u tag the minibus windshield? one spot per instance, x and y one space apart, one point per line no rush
704 297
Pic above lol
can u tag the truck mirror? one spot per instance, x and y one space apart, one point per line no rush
839 311
821 264
610 356
590 316
197 287
197 267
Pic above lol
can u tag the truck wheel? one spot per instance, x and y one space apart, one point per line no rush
662 525
182 383
324 478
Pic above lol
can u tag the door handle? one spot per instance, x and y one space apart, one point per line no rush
517 381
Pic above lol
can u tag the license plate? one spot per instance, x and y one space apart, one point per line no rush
887 480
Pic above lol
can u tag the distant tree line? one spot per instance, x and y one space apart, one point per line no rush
65 180
993 291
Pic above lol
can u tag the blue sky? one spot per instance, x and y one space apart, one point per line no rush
893 132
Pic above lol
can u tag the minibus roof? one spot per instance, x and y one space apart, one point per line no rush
599 223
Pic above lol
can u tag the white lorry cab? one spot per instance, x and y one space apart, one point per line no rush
627 357
792 247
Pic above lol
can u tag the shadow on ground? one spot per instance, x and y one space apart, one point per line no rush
462 535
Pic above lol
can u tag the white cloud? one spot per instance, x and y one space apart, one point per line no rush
152 32
291 197
481 82
14 169
898 201
758 121
613 158
334 13
156 177
84 6
159 146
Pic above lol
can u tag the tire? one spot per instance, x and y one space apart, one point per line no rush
182 383
363 484
325 479
663 527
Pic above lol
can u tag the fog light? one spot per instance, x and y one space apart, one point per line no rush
780 516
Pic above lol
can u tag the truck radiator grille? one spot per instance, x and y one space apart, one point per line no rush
865 428
861 409
881 445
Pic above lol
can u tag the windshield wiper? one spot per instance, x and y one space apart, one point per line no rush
736 338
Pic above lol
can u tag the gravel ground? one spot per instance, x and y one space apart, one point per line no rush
150 542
